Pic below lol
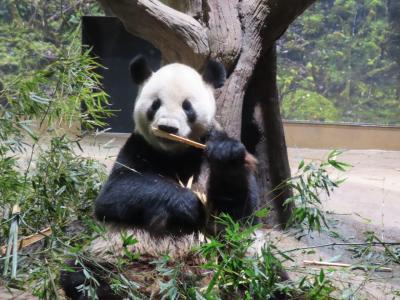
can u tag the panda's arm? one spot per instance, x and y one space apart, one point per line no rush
232 186
149 201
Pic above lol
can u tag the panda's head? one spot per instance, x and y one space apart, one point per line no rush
176 99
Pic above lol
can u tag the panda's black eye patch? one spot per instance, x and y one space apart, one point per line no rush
156 104
189 111
153 109
186 105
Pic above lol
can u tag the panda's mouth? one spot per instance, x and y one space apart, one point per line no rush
166 141
170 140
164 137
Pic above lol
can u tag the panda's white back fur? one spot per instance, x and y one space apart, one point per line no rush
110 245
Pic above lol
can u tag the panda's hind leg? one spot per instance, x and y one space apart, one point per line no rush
70 280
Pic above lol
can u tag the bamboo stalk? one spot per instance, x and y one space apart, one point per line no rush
343 265
177 138
250 160
12 244
14 262
8 248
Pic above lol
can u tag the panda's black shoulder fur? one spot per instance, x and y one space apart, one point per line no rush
138 154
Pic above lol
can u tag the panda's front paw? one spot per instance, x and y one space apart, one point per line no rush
187 214
223 150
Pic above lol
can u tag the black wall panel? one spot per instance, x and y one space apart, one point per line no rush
115 48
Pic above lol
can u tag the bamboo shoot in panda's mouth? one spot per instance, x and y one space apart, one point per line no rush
250 160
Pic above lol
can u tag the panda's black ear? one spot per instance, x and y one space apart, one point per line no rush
140 69
214 73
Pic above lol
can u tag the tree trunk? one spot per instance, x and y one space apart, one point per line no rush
261 100
241 35
276 154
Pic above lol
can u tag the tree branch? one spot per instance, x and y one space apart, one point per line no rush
178 36
230 99
224 30
282 14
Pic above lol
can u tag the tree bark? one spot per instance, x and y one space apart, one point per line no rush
179 36
276 154
107 10
262 121
224 30
241 35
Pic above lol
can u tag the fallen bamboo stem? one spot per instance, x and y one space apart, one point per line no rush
29 240
177 138
342 265
343 244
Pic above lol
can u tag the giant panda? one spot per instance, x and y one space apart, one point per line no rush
144 193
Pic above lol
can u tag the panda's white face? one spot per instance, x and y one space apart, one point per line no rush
177 100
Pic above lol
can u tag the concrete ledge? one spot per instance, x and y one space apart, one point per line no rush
325 136
342 136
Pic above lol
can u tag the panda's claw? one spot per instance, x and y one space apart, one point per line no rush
224 150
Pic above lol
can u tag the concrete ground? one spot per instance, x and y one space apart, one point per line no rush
369 200
371 192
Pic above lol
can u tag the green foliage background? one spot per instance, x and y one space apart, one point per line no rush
344 55
45 78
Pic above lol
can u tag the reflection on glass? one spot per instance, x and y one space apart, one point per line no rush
340 62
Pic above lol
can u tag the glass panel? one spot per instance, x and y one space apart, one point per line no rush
340 62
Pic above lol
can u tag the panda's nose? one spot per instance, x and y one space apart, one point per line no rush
169 129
